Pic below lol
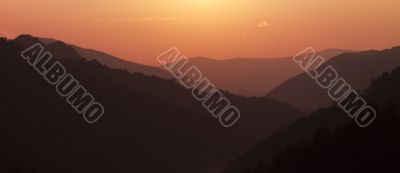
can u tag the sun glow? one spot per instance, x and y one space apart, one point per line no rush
205 1
139 29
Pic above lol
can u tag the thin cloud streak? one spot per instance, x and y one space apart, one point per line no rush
144 19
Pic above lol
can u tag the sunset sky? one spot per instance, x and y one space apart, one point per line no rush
139 30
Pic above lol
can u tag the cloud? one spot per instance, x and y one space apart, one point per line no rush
144 19
263 24
154 19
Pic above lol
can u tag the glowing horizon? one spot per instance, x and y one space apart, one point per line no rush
140 30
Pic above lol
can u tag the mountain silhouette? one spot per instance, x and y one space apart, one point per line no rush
358 69
301 130
346 149
251 77
57 48
243 76
64 50
117 63
26 40
150 124
309 144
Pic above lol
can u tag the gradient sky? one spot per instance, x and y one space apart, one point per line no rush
139 30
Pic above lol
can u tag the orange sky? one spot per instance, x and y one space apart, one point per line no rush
139 30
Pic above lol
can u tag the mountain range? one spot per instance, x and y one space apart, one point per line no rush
153 124
357 68
328 141
243 76
150 124
252 76
62 49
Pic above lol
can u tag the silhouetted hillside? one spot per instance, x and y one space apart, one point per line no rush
61 49
251 77
57 48
356 68
348 149
26 40
117 63
301 130
244 76
150 124
294 149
